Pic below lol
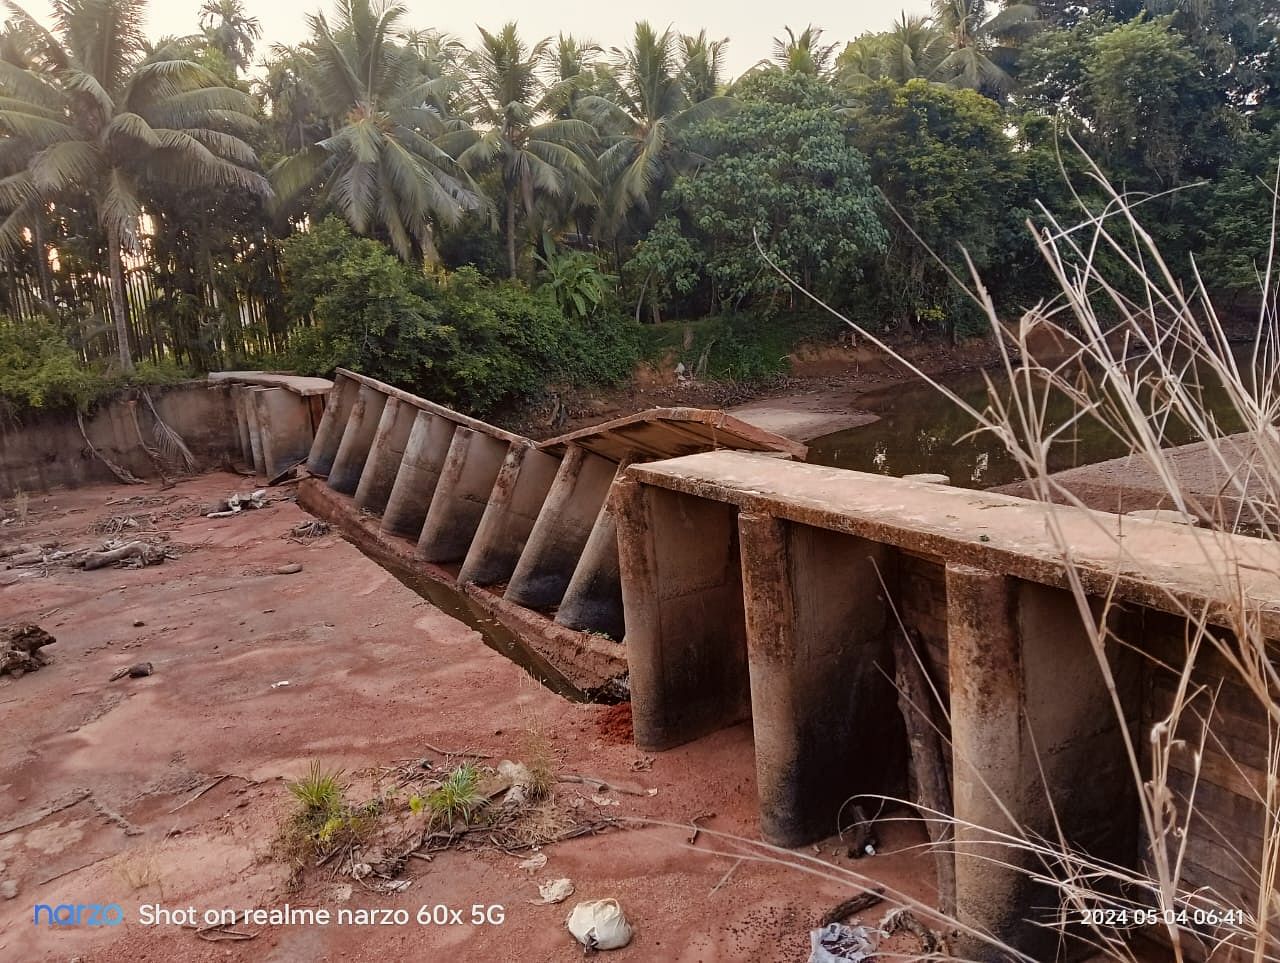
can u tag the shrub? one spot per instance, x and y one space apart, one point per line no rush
38 368
457 338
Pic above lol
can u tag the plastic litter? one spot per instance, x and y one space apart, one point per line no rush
599 925
837 943
533 863
553 891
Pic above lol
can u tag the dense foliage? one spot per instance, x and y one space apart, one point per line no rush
459 337
483 222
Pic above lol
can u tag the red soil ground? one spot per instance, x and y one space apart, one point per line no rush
375 673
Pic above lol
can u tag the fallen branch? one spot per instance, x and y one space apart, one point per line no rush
123 474
142 550
842 911
630 789
695 828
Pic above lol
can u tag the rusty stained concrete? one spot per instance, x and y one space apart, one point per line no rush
1155 564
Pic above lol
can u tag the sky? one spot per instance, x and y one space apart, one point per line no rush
751 25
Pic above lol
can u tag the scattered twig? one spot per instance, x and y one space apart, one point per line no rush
446 752
727 873
216 781
219 933
863 901
75 869
695 828
66 802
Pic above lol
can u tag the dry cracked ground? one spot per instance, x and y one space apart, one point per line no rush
110 790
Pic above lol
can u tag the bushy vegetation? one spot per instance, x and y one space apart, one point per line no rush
39 369
508 204
457 337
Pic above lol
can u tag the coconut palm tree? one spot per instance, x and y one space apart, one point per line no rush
702 66
981 44
646 108
516 130
380 168
803 53
286 87
913 48
571 59
230 31
96 118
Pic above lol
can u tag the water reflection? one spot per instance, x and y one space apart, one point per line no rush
921 431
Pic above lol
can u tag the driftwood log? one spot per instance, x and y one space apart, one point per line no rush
928 762
147 552
20 647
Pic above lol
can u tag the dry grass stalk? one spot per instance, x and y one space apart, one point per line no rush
1141 347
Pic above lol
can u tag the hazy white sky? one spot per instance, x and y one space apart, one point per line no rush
750 24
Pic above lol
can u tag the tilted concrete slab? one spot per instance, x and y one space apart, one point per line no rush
298 384
671 432
1156 564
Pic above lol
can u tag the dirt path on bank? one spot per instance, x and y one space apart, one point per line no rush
99 778
822 393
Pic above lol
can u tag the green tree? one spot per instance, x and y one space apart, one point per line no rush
230 31
538 155
645 108
982 44
702 66
381 167
913 48
947 165
803 53
1154 111
97 120
787 176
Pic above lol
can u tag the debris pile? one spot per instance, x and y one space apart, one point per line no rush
237 502
421 809
122 553
20 647
315 528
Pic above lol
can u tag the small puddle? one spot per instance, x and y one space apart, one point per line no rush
496 636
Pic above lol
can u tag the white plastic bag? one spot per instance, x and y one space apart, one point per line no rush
599 925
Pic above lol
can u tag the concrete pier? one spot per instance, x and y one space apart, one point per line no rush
466 481
255 431
518 493
685 631
333 424
239 400
564 525
825 716
418 474
1030 717
386 455
593 600
357 440
284 428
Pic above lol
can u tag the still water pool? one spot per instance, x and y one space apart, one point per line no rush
920 430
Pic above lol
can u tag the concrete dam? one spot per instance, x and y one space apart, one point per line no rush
697 565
